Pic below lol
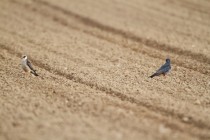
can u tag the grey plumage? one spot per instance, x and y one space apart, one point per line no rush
26 65
164 69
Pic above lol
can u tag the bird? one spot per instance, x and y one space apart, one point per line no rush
26 65
164 69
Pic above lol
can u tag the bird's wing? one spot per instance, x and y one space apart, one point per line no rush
29 65
164 68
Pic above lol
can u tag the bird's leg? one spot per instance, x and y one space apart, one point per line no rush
164 75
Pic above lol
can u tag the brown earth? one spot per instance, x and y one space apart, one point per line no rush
94 59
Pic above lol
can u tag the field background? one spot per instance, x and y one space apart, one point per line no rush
94 58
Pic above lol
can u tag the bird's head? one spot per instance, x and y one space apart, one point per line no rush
168 60
24 57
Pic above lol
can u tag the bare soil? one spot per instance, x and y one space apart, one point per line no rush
94 59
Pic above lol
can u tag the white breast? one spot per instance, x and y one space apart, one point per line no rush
24 65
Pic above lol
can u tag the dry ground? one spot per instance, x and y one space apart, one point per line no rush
94 58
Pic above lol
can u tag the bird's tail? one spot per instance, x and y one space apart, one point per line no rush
153 75
34 73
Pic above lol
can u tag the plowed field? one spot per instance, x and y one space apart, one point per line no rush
94 58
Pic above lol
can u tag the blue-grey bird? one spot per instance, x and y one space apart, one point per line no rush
164 69
26 65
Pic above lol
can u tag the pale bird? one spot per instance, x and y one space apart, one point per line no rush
26 65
